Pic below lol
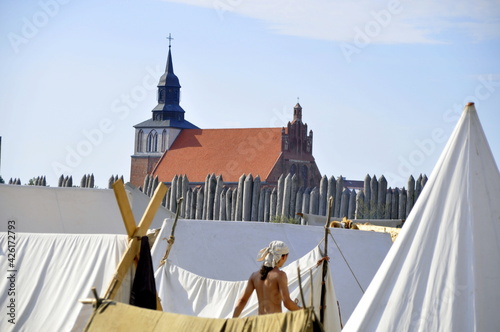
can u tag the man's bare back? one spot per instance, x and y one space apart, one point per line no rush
273 290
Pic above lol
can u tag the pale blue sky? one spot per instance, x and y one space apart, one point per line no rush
381 83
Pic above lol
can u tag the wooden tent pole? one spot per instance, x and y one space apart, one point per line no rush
134 242
124 205
311 298
325 263
300 288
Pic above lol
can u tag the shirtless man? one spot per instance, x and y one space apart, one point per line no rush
270 282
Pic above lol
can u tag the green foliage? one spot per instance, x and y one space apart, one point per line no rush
284 220
377 212
1 179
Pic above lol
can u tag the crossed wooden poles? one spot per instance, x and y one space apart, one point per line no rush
135 233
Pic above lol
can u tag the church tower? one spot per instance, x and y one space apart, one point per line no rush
155 135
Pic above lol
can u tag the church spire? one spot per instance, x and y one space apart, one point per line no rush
168 107
168 78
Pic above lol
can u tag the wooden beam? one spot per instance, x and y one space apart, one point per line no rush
134 243
125 209
153 206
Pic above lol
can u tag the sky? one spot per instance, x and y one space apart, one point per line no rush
382 84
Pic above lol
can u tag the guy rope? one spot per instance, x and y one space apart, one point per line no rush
171 238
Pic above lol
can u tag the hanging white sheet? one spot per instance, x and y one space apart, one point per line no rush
227 250
186 293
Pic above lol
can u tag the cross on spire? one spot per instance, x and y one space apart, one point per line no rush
169 40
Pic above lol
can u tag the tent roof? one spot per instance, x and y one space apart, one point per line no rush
74 210
443 271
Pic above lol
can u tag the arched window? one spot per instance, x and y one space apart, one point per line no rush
164 140
138 143
152 142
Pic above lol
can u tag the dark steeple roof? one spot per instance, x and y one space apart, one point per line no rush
168 109
168 78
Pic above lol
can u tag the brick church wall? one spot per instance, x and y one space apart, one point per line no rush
140 167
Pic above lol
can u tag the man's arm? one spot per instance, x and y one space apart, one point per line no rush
285 294
242 302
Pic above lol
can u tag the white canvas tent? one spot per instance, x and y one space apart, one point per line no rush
53 269
74 210
443 271
51 272
226 251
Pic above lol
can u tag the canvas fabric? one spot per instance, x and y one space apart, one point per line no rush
183 292
443 271
226 250
37 209
55 271
122 317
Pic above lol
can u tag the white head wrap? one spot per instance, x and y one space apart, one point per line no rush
272 254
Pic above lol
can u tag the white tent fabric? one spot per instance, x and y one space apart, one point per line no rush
51 273
183 292
55 270
37 209
227 250
443 271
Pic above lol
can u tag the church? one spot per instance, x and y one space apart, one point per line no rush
167 144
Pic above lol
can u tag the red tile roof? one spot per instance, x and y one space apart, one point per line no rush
226 152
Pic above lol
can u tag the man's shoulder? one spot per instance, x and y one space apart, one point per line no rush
277 273
255 276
